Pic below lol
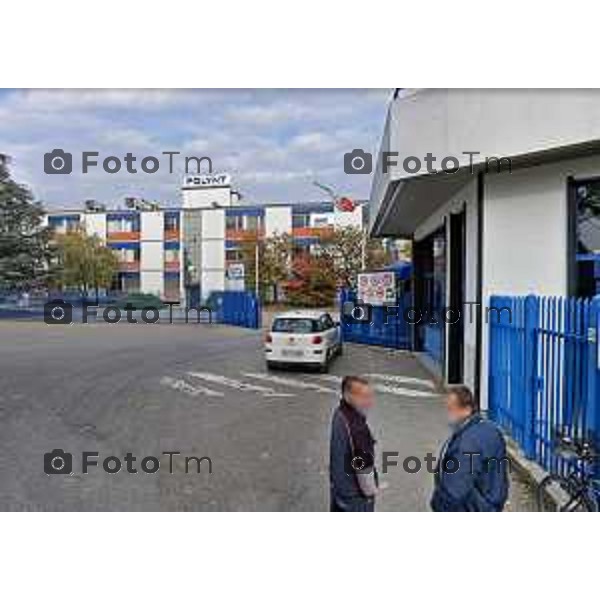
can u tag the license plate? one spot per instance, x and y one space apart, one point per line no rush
292 353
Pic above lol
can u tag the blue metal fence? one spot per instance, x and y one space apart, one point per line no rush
544 372
235 308
383 329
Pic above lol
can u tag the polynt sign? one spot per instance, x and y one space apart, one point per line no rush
207 181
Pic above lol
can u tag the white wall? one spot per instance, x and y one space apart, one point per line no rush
152 225
525 233
95 224
151 282
206 197
152 256
348 219
212 281
278 220
213 224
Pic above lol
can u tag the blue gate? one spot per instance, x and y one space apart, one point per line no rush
544 371
235 308
387 328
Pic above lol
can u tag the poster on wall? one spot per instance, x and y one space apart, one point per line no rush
377 288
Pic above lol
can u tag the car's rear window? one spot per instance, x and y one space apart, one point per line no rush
295 326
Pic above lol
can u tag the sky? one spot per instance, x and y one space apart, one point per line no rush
274 143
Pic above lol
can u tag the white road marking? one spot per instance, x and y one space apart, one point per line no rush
387 389
402 379
239 385
295 383
181 385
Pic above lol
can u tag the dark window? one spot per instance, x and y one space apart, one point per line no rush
300 221
587 238
296 326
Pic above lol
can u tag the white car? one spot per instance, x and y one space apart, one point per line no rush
303 337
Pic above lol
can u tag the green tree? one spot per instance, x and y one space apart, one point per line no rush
274 256
83 262
24 249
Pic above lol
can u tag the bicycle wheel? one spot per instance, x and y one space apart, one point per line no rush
568 496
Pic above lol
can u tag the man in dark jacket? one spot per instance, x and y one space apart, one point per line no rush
352 472
472 470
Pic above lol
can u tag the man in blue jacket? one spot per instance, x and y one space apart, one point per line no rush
472 469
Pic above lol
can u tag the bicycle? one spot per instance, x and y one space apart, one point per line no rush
579 490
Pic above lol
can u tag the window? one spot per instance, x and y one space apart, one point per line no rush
234 222
233 254
326 322
299 221
587 237
253 222
171 221
321 221
171 256
296 326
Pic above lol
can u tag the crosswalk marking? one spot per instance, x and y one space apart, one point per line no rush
295 383
239 385
387 389
181 385
402 379
396 385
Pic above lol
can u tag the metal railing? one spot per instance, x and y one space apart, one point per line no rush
544 372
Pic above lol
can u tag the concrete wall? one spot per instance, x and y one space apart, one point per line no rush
152 225
278 220
206 197
525 233
152 282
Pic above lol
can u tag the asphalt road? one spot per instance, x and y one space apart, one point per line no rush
201 390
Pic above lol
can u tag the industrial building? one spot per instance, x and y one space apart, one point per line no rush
195 249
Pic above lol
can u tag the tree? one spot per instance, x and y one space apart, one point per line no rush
24 249
311 283
83 262
350 251
274 256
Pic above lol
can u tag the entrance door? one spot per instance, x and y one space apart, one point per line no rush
457 298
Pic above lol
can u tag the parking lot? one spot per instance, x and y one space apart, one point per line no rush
201 390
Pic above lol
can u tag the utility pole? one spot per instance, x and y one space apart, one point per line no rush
256 269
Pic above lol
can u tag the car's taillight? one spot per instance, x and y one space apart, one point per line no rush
317 339
268 338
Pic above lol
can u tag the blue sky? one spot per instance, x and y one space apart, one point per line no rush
274 143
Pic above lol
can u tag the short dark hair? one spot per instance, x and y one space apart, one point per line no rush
349 380
464 396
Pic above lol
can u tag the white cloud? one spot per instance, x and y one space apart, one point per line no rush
274 142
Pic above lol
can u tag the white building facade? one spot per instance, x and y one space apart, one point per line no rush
516 213
191 251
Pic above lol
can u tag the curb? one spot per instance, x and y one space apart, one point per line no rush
531 472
